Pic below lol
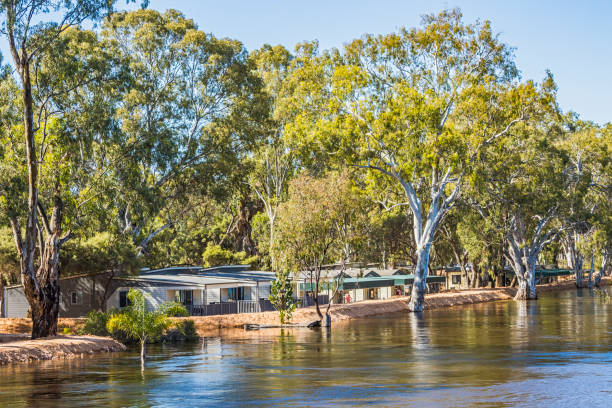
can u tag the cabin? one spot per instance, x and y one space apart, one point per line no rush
203 291
454 278
358 284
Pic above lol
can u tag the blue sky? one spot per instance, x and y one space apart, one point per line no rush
570 38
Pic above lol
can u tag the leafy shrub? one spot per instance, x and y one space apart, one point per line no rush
184 331
189 331
281 296
96 323
175 309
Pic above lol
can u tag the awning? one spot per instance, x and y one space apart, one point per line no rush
547 272
373 282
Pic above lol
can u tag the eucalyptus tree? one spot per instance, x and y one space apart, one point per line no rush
414 108
311 224
33 29
519 187
187 119
274 161
588 190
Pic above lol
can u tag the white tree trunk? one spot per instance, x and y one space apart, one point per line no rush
419 286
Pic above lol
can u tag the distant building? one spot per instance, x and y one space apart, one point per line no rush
358 284
217 290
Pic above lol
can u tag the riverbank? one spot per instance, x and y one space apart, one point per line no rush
210 326
58 347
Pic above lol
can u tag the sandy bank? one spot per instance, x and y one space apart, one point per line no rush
56 347
14 325
207 326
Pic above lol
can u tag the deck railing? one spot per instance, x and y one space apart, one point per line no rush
222 308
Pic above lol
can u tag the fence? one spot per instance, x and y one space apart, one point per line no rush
213 309
240 306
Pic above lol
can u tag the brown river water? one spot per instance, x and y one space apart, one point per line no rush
554 352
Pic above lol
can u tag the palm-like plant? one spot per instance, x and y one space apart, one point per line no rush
140 324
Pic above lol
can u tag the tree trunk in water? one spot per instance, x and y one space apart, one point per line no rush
419 287
526 280
143 354
315 297
578 272
590 281
604 264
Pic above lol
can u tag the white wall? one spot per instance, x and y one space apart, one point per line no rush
154 297
213 295
264 290
16 303
358 296
385 293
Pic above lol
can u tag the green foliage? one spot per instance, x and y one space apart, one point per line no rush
96 323
214 255
101 252
281 296
184 331
138 323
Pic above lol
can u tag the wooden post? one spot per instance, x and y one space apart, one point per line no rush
257 296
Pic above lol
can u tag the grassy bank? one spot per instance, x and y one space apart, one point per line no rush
51 348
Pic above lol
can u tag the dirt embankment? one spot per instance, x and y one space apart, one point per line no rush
56 347
14 325
207 326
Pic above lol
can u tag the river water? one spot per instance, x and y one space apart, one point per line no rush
553 352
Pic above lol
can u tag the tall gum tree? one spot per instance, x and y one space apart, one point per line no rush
587 193
414 108
519 187
187 118
274 164
31 32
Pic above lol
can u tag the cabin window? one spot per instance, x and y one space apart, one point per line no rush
123 299
185 297
75 298
456 279
235 293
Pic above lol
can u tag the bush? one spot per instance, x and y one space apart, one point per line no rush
96 323
184 331
189 331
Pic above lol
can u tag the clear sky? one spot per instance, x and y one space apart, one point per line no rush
569 37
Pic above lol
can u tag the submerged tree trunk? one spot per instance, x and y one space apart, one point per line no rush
574 257
315 295
526 280
605 257
591 270
143 346
523 253
419 287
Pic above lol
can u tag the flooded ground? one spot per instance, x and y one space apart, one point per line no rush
553 352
